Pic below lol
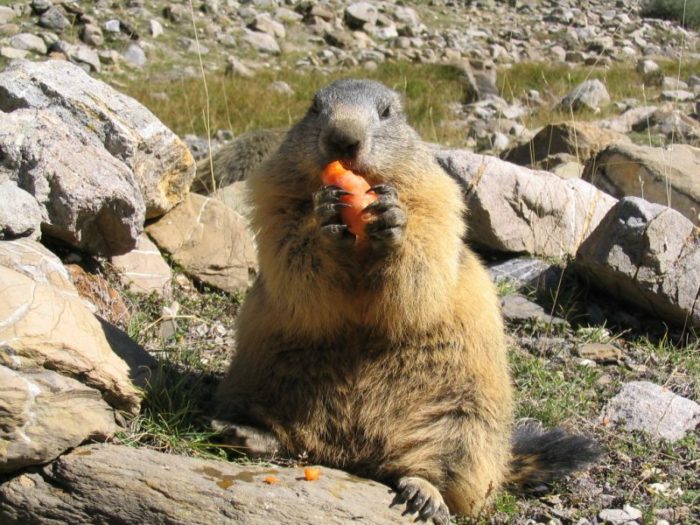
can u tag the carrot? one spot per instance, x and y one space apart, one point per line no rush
271 480
312 473
334 174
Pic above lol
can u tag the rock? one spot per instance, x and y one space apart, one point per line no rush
45 414
524 272
265 24
677 95
211 242
630 119
579 139
624 515
642 405
155 28
160 161
113 26
13 54
359 14
7 14
54 19
514 209
41 6
29 42
518 308
590 94
649 256
88 198
92 35
46 325
647 67
79 54
236 68
667 176
110 484
600 352
143 269
20 214
262 42
135 56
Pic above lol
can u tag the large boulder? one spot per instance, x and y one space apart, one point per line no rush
648 255
160 162
515 209
61 379
210 241
87 197
115 484
668 176
581 140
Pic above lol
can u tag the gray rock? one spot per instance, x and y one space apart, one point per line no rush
113 26
630 119
359 14
524 272
647 67
155 28
160 162
236 68
135 56
407 15
262 42
29 42
518 308
41 6
265 24
514 209
648 255
287 16
13 54
625 515
143 269
590 94
677 95
54 19
667 176
110 484
92 35
89 199
79 54
642 405
20 214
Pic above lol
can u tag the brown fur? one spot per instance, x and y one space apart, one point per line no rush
384 366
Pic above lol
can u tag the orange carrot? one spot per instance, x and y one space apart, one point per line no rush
312 473
334 174
271 480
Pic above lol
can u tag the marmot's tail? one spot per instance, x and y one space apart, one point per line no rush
541 456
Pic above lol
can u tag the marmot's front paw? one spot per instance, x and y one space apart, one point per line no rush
327 206
387 230
423 498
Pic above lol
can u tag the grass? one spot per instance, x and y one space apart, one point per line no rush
242 104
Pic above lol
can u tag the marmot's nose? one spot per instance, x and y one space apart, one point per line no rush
344 141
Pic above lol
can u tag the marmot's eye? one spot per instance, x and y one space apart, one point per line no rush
385 113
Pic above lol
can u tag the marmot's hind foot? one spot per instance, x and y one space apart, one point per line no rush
423 498
387 230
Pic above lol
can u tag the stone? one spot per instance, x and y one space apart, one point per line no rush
600 352
407 15
653 409
360 13
79 54
625 515
677 95
667 176
630 119
265 24
287 16
92 35
236 68
155 28
118 484
160 162
29 42
88 198
135 56
143 269
44 414
647 67
54 19
579 139
590 94
46 325
41 6
517 308
20 213
13 54
524 272
517 210
262 42
648 255
7 14
113 26
209 241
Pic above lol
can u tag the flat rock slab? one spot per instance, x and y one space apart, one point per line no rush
115 484
513 209
143 269
161 163
210 241
648 255
518 308
645 406
525 272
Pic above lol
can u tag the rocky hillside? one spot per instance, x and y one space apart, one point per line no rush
574 136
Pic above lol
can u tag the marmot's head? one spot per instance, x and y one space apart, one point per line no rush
358 122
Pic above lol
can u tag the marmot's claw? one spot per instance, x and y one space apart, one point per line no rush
329 213
387 229
328 194
384 189
338 233
423 498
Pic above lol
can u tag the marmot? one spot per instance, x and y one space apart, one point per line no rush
387 360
